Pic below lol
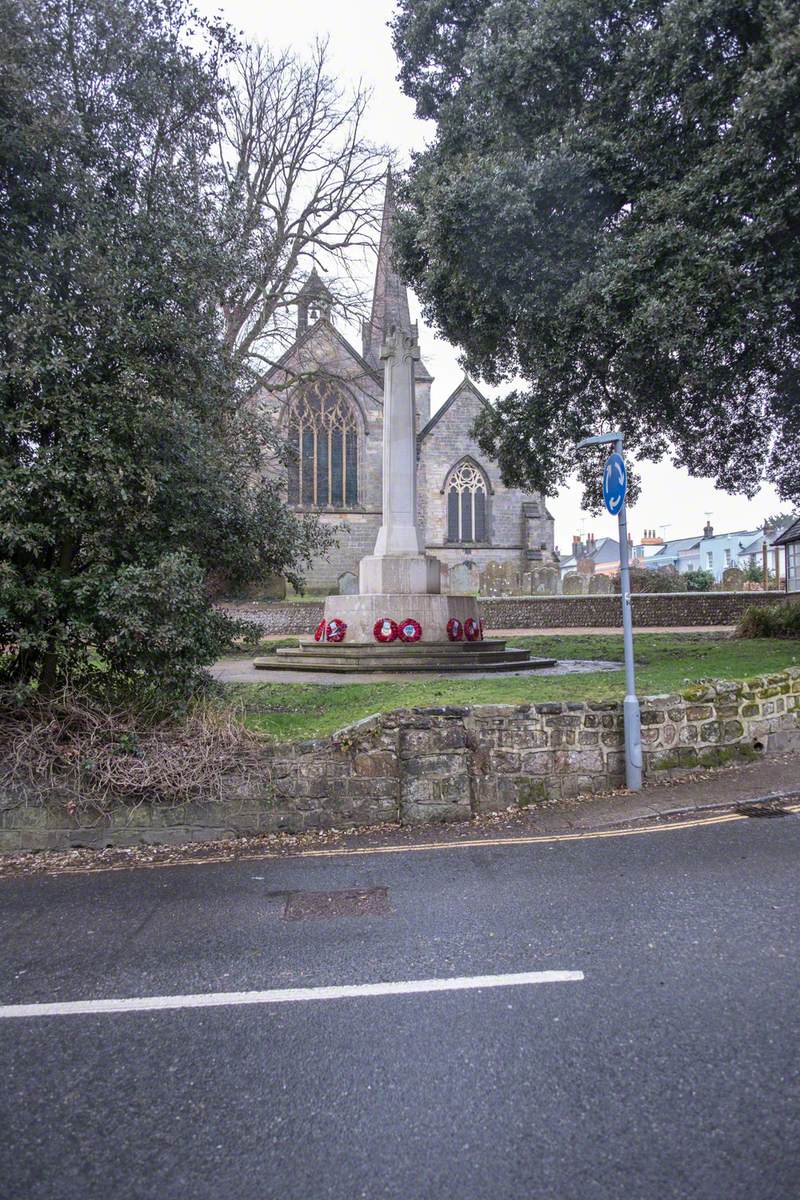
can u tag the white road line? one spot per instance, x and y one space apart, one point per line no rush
284 995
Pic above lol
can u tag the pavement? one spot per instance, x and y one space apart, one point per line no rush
592 1016
241 670
773 780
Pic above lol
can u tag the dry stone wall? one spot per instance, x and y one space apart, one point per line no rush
442 764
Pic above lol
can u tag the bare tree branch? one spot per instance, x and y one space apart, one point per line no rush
301 188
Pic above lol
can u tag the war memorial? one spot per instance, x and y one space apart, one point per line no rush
400 620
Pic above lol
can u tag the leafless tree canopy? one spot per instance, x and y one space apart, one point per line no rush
302 188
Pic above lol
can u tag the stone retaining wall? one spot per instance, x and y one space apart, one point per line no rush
556 612
443 764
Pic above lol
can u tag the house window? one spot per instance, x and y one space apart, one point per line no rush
466 504
727 558
710 560
323 441
793 567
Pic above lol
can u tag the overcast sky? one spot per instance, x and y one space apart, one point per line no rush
360 48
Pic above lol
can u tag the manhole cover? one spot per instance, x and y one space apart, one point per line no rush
353 902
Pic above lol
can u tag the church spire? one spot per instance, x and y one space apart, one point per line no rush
389 299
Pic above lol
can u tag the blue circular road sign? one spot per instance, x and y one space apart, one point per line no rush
615 483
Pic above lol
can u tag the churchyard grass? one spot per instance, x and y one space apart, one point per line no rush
665 663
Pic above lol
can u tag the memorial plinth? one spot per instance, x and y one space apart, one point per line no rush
398 582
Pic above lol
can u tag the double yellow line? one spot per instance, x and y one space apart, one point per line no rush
420 847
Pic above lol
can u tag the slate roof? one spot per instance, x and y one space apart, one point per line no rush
723 537
790 534
606 550
675 547
754 546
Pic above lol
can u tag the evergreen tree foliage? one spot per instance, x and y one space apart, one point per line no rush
699 580
609 213
130 467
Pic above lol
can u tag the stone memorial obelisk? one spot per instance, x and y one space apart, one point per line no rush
398 564
398 580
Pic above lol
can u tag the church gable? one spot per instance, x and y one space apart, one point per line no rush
447 438
322 352
460 408
328 402
463 500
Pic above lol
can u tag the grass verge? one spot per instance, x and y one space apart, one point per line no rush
665 663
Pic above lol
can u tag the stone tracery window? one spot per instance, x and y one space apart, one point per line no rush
466 504
323 435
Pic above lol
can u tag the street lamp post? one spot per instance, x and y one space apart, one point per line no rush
630 707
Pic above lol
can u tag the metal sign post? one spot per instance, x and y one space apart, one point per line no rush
615 486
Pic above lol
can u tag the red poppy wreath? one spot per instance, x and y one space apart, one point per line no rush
472 630
455 630
410 630
336 630
319 632
384 630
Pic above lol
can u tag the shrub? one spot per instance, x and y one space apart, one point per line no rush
779 620
644 580
85 754
699 581
753 573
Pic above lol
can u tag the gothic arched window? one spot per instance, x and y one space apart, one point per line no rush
323 438
466 504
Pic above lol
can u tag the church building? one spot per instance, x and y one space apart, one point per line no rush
328 398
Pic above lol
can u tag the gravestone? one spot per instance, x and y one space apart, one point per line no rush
545 581
463 579
574 584
348 584
273 587
500 579
600 585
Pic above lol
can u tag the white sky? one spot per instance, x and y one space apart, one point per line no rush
360 48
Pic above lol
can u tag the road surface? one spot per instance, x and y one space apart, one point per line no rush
659 1060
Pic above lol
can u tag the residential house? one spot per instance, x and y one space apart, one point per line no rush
600 556
789 540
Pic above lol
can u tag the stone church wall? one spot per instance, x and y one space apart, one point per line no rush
357 534
323 349
448 442
513 530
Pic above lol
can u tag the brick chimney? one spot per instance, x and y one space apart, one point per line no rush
708 531
650 539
